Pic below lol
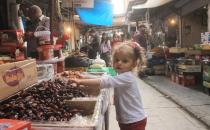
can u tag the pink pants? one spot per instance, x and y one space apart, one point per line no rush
140 125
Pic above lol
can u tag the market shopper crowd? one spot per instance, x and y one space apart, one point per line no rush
103 46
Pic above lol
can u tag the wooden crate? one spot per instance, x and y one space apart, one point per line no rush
177 50
190 68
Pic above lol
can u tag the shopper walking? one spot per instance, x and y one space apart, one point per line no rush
141 37
115 40
94 45
105 49
129 109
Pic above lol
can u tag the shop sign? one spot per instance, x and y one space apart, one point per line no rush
78 3
13 76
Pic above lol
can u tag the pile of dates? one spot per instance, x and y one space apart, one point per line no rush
71 74
42 102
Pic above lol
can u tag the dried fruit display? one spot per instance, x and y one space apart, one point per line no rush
71 74
43 102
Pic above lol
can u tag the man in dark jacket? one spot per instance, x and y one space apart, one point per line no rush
141 38
94 45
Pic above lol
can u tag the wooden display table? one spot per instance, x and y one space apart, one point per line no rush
189 68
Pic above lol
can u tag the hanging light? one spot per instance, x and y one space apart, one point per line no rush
68 29
172 21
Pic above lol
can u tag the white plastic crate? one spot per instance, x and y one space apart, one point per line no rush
45 72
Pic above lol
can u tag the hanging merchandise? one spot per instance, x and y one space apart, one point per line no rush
101 14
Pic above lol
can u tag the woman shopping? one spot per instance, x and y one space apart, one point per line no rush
105 49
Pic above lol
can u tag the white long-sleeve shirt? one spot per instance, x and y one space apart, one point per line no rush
129 108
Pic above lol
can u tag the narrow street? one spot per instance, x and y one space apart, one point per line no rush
163 114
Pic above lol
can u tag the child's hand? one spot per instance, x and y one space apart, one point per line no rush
79 75
75 80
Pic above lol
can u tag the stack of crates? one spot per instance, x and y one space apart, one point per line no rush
187 80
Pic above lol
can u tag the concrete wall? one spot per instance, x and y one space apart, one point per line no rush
193 25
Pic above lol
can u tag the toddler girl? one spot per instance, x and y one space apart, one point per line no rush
129 110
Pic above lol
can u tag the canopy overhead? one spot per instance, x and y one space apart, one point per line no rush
101 14
151 4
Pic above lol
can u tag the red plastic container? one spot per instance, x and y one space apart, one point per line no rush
58 51
173 77
60 66
188 80
8 124
45 52
178 79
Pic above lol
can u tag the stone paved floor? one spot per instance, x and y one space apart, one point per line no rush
163 114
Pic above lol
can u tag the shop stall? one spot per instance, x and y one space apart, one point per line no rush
36 94
53 102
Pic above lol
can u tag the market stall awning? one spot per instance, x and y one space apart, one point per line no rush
101 14
151 4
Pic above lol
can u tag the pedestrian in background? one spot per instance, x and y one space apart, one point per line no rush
115 40
141 37
37 19
105 49
127 99
94 45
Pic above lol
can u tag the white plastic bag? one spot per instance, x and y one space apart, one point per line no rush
99 61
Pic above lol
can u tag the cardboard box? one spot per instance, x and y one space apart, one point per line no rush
159 67
190 68
205 46
193 52
177 50
159 72
16 76
206 84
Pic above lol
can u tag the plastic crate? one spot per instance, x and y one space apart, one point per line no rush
188 80
9 124
173 77
45 71
108 70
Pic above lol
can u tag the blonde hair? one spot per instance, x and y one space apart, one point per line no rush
134 50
